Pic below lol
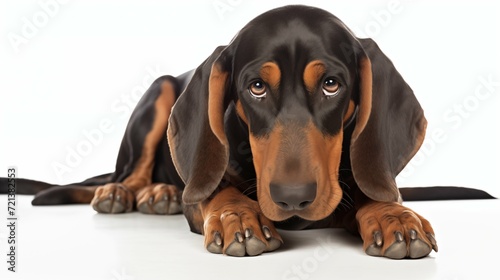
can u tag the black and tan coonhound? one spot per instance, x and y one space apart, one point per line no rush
295 124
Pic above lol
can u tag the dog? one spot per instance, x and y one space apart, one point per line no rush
295 124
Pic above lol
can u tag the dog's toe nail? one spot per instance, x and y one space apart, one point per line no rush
267 232
238 237
377 237
217 239
216 245
413 234
432 239
399 236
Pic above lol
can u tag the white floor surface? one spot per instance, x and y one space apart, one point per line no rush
73 242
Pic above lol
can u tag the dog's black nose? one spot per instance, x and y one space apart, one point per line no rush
293 197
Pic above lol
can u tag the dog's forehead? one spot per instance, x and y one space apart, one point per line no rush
293 33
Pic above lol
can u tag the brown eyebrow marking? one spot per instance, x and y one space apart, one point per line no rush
313 71
271 74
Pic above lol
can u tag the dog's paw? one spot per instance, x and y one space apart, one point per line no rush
113 198
161 199
234 225
394 231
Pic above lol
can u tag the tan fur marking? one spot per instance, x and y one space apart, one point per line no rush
325 154
312 73
241 112
265 150
216 92
271 74
365 98
141 176
195 216
350 111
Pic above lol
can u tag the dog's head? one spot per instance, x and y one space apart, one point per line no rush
297 77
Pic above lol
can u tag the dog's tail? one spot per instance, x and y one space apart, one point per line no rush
52 194
442 193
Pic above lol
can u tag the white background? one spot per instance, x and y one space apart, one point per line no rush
86 63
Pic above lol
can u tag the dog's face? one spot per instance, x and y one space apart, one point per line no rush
294 91
297 77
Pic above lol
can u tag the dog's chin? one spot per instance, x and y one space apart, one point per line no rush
274 213
278 215
293 223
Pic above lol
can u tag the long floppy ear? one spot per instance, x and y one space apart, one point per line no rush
196 136
390 127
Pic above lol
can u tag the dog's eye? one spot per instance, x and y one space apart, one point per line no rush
258 89
330 87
